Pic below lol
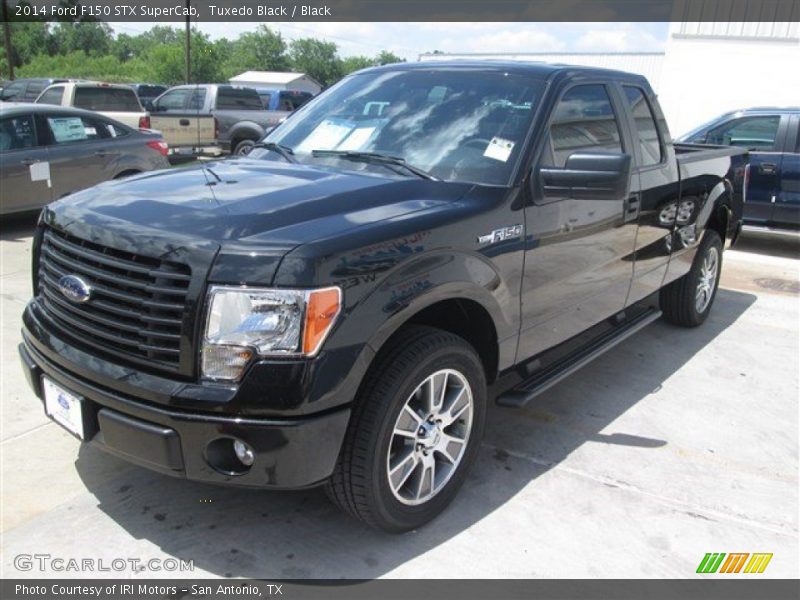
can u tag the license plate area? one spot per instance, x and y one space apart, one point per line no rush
66 408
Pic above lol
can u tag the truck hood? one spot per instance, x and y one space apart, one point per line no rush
251 201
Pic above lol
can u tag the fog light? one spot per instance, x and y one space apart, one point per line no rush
243 452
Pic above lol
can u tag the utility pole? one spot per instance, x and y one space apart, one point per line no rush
7 41
187 65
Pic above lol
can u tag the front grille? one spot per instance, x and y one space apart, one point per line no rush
137 304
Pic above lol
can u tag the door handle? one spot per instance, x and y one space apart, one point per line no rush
767 168
184 122
29 161
103 153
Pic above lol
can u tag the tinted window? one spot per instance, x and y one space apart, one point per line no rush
293 100
67 129
52 95
17 133
238 99
198 99
757 133
107 99
35 88
646 128
265 98
150 91
584 120
14 89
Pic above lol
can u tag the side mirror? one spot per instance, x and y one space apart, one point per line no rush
589 176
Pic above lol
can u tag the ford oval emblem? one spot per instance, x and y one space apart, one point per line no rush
74 289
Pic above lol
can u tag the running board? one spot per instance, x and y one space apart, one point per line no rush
530 388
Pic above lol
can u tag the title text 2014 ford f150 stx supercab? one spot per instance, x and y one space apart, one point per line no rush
331 308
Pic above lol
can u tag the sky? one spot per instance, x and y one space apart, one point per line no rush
408 40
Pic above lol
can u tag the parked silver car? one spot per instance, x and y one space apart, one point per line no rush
47 152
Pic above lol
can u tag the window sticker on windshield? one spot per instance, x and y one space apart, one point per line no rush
357 139
326 136
499 149
67 129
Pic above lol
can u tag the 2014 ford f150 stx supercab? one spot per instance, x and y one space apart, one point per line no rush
331 308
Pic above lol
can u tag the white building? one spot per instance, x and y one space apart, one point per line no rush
706 69
277 80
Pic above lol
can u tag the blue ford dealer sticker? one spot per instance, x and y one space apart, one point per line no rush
63 407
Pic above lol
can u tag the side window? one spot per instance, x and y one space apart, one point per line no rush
174 100
68 129
17 133
198 99
238 99
756 133
265 100
107 99
645 125
52 95
34 89
584 120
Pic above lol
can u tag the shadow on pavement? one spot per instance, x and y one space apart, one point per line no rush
246 533
18 227
772 245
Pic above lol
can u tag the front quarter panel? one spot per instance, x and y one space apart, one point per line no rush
392 269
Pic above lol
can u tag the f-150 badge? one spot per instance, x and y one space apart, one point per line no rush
500 235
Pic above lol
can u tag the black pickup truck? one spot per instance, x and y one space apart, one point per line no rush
331 309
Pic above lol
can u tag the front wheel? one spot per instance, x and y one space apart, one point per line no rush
414 432
687 301
244 147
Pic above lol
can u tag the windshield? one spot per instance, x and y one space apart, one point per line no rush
457 124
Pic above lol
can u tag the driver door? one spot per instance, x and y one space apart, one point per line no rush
579 251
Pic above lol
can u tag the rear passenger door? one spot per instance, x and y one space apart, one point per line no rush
579 252
654 191
763 136
78 154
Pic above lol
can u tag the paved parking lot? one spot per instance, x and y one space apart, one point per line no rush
674 444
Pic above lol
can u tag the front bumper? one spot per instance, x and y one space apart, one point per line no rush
289 453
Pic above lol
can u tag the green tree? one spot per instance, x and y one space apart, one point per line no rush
355 63
386 58
95 39
167 61
260 50
27 40
316 58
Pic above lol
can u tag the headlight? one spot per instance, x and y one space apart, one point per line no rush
244 322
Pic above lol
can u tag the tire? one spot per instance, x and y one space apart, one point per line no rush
360 484
243 147
681 300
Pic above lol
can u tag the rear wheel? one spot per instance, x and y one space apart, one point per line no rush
414 432
688 300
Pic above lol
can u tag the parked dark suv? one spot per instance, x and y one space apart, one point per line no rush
772 135
26 90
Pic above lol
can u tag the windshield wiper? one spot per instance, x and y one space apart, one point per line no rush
284 151
376 158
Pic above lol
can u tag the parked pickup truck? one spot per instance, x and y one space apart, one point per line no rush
330 309
115 101
772 136
198 116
